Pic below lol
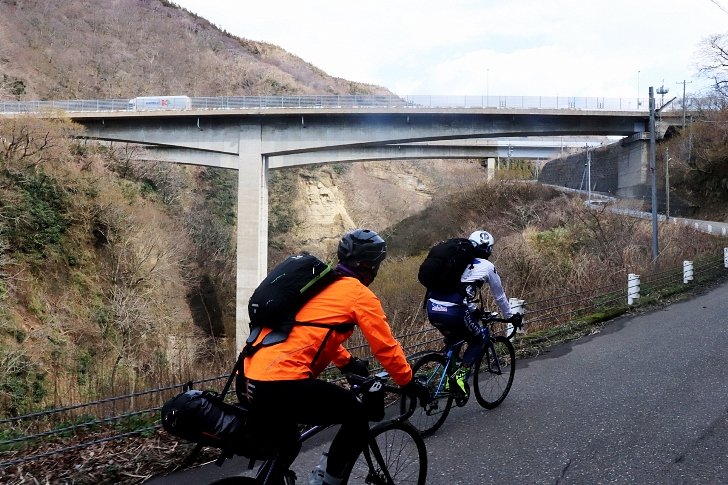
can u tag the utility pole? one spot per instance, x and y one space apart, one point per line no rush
667 184
639 103
652 171
684 83
663 91
588 176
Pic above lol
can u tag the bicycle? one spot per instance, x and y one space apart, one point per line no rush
395 452
493 372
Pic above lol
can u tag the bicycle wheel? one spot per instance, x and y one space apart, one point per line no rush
494 372
428 419
403 453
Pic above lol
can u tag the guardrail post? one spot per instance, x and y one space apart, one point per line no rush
516 307
687 271
633 288
725 257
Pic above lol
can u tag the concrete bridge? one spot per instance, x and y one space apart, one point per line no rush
254 140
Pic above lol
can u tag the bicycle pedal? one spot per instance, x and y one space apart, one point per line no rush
460 398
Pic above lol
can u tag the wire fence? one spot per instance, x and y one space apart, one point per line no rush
595 103
42 434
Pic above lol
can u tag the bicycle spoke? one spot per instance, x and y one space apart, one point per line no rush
494 372
427 420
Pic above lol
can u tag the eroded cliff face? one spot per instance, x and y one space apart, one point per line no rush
326 202
323 213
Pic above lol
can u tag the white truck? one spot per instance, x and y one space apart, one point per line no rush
159 102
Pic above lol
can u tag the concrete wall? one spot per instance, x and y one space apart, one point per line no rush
616 169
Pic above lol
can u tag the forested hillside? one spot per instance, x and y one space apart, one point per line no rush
80 49
119 273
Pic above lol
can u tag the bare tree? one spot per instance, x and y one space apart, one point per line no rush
713 61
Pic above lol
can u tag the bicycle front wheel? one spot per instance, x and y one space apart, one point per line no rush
494 372
403 456
428 419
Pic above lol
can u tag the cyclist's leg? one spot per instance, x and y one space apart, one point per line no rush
474 337
316 402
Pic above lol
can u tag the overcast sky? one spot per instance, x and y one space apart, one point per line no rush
498 47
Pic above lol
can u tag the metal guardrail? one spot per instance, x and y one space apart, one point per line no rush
547 311
357 101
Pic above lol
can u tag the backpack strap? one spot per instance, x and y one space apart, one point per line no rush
238 368
280 334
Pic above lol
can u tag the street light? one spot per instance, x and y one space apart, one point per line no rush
639 103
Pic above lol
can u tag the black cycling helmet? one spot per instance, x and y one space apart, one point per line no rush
362 251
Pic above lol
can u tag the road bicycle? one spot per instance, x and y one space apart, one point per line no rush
395 452
492 374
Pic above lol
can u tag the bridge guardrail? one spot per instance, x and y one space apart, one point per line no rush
594 103
559 310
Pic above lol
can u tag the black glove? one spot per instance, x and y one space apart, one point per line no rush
356 366
417 389
477 314
517 320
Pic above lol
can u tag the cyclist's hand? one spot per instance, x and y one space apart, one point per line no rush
356 366
417 389
477 314
517 320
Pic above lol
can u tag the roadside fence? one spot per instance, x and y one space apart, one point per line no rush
42 434
595 103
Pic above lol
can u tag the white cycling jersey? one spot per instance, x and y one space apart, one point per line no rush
479 272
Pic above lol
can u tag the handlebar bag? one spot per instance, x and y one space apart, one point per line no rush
373 401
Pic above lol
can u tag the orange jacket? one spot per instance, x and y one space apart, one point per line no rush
308 350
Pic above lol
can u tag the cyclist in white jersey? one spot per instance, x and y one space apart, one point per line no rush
456 316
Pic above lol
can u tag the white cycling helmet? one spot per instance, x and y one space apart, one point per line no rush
483 242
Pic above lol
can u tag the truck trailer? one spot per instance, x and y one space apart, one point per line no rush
159 102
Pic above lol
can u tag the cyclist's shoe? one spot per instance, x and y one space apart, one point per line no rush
460 380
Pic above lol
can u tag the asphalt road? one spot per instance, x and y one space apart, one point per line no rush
643 401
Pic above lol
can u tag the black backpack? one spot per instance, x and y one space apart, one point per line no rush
276 301
444 265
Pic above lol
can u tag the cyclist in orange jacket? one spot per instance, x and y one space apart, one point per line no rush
281 386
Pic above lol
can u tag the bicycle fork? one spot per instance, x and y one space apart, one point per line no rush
378 470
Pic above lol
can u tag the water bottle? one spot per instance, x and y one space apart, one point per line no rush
317 475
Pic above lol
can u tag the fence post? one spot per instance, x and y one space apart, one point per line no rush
725 257
633 288
687 271
516 307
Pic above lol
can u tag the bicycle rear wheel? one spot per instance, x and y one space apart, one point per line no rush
428 419
494 372
403 453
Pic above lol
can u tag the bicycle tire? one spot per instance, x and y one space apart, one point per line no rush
427 420
492 385
404 453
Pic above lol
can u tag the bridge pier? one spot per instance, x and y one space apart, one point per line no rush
252 236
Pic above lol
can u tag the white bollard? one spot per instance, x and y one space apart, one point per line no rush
687 271
710 228
516 307
633 288
725 257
